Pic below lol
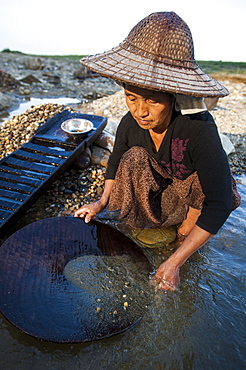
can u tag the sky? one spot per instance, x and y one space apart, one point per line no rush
51 27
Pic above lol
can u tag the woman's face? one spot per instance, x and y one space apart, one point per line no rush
151 109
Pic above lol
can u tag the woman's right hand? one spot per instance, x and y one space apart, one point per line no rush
88 211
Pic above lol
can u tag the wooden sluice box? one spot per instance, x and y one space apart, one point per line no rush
29 170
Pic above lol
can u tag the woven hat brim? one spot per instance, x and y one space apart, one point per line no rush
127 67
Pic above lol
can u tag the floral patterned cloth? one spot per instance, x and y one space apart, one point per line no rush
176 167
148 196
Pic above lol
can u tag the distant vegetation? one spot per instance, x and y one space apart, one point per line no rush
213 67
71 57
210 67
11 51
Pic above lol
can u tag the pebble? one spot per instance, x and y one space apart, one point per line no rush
19 129
74 189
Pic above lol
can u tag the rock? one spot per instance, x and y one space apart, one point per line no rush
67 212
7 81
84 160
82 73
106 141
112 126
24 91
34 64
55 80
46 74
99 156
6 101
29 79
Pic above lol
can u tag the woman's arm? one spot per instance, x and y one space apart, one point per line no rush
167 274
88 211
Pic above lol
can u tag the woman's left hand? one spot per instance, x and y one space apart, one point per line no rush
167 277
167 274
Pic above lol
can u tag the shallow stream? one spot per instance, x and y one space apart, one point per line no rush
202 325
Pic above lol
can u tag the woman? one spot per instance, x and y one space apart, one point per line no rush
168 166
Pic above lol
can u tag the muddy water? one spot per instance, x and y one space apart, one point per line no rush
202 325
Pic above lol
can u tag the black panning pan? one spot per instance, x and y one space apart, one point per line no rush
62 280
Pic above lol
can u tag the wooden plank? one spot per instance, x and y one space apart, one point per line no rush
8 204
19 179
13 195
16 187
5 214
57 152
26 173
53 143
32 166
33 157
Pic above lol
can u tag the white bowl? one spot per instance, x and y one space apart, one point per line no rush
77 126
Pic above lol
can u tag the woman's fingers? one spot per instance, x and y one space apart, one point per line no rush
166 285
88 211
85 212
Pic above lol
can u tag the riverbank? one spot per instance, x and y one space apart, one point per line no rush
24 76
78 186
